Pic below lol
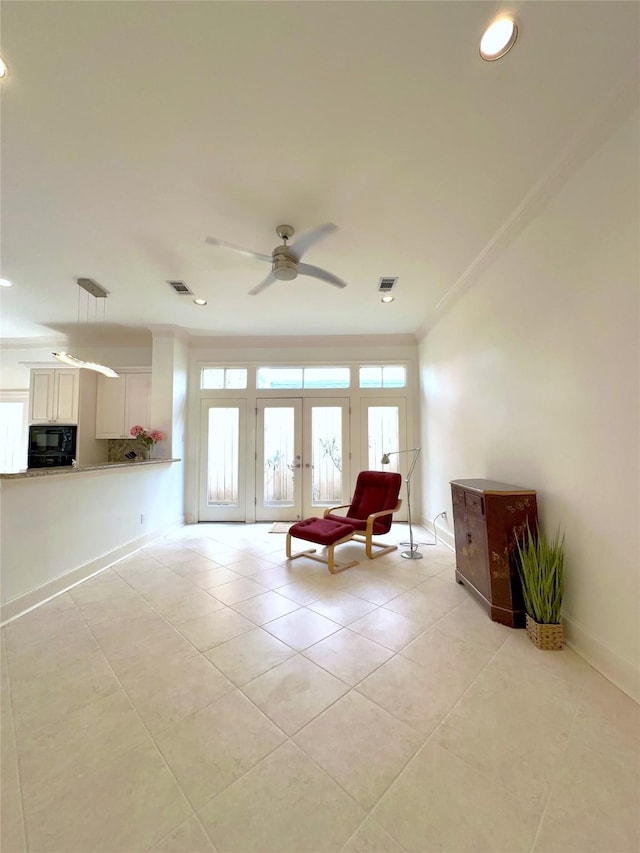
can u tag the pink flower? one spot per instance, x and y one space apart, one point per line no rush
147 437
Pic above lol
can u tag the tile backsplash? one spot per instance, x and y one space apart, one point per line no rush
117 447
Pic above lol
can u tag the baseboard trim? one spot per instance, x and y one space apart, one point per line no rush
11 610
442 534
619 671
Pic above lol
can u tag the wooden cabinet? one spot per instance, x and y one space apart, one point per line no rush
54 395
123 402
487 516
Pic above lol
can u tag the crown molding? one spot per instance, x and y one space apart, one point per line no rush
297 341
170 331
32 343
136 339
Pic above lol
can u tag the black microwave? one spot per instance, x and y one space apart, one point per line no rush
51 446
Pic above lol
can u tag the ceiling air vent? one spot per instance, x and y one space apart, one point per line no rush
386 285
180 287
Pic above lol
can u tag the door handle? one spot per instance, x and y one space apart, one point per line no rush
306 465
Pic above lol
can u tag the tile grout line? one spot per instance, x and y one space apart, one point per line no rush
155 745
556 775
295 651
288 738
23 819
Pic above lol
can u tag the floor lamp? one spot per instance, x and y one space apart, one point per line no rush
412 553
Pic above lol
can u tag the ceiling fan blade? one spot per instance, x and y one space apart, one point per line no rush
323 275
215 242
270 279
304 243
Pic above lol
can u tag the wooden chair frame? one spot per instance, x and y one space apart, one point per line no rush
366 536
329 561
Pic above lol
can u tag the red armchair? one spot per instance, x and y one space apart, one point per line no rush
371 510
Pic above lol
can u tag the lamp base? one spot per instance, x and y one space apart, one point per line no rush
411 555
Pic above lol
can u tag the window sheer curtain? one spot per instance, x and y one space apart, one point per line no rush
13 431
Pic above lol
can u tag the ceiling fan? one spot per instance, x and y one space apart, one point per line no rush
285 260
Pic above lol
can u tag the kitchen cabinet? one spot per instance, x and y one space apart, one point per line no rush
121 403
54 396
487 517
67 395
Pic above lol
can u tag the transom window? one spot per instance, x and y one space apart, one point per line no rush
387 376
284 378
310 378
214 378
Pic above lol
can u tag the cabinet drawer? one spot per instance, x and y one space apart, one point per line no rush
474 503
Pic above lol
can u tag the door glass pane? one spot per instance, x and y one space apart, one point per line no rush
279 462
382 436
222 456
326 442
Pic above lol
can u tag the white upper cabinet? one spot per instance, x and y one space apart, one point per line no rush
137 401
121 403
54 396
110 407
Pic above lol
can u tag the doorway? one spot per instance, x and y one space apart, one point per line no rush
302 458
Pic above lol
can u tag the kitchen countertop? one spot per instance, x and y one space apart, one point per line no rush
33 473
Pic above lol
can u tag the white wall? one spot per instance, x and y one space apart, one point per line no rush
58 529
532 378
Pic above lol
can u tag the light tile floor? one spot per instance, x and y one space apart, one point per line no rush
206 695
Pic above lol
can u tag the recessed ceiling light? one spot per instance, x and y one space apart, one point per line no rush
498 39
387 298
200 301
4 282
3 68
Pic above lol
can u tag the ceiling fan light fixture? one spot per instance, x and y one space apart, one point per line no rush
284 267
286 262
498 39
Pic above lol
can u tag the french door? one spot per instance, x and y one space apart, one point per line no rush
383 425
281 459
223 472
302 458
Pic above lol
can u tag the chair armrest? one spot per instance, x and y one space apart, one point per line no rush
371 518
333 508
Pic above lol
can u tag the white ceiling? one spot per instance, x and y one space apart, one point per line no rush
131 131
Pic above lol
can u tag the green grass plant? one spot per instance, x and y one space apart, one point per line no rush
541 568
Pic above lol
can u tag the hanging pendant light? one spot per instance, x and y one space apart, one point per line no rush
98 292
88 365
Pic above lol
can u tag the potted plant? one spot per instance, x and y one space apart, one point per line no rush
541 568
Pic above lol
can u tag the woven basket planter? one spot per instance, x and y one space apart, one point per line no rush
547 637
